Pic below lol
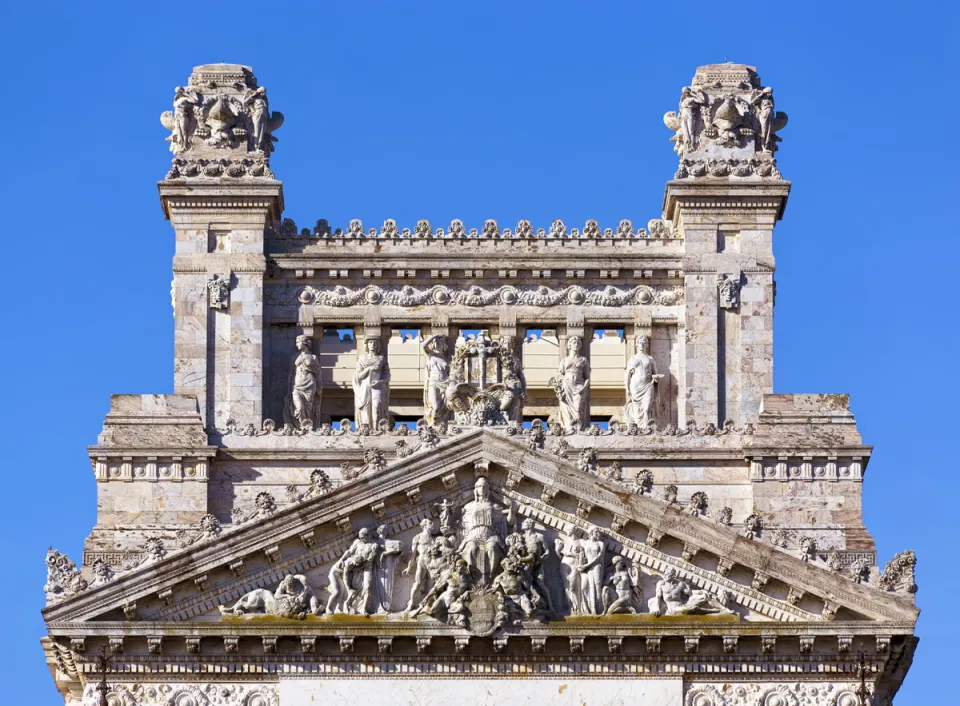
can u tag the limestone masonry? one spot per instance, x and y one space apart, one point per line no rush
480 463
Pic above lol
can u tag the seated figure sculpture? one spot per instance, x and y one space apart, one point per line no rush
482 547
293 599
675 597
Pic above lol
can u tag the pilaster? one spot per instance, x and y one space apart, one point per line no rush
219 336
727 227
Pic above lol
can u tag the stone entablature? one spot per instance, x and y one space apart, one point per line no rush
430 459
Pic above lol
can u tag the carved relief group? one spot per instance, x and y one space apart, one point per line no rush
482 572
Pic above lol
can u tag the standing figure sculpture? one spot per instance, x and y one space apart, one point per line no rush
641 382
482 546
436 379
539 553
570 552
762 101
370 385
572 386
387 558
353 577
258 116
184 103
420 562
692 102
593 551
514 380
303 406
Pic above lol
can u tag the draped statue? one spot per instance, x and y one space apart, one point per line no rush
641 382
482 546
303 405
572 386
371 385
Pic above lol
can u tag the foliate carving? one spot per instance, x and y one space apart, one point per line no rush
319 485
860 571
728 291
374 461
753 527
670 494
750 693
697 505
490 230
704 695
302 410
675 597
263 506
898 575
644 482
218 292
474 296
726 127
220 123
808 548
63 577
102 573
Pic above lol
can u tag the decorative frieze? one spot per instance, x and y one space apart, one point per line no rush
443 295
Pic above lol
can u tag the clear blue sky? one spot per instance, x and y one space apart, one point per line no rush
475 110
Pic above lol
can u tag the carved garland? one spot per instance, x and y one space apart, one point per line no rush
476 296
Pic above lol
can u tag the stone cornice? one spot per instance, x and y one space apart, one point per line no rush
217 194
769 195
561 476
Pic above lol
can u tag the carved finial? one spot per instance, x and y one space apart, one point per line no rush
221 125
726 125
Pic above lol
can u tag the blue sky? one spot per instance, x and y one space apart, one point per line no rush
472 110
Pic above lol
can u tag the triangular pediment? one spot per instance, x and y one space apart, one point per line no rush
757 581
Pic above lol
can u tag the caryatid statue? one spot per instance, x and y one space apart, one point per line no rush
483 522
641 382
371 385
303 406
436 378
572 385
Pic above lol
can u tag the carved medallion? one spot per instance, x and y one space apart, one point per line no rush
484 610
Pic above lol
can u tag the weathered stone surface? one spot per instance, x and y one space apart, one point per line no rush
469 453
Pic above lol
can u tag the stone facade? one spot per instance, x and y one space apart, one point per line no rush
431 460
